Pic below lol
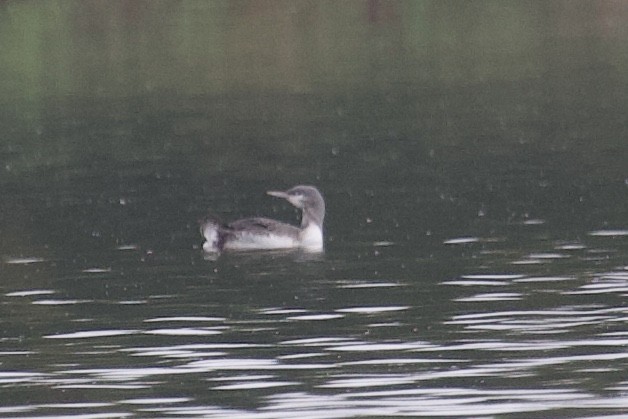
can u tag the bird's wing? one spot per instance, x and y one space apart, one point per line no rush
262 225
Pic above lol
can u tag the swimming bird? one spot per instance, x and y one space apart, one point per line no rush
266 234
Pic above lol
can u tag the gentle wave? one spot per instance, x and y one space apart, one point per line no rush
608 233
462 240
92 334
23 260
372 310
316 317
185 319
28 293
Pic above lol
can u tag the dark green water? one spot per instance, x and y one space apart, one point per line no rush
473 162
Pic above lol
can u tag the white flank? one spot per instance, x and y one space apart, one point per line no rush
247 241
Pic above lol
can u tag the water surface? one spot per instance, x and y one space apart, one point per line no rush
476 258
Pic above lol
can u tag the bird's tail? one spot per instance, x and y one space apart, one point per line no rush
211 230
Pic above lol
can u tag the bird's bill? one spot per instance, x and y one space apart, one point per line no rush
278 194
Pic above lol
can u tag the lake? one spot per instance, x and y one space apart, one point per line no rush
473 164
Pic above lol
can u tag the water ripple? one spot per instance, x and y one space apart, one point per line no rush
60 302
322 316
22 260
317 341
160 400
256 385
371 285
377 347
183 331
496 296
372 310
92 334
28 293
462 240
608 233
186 319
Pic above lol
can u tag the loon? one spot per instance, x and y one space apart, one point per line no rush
266 234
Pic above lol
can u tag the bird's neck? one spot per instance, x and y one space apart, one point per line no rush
308 218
